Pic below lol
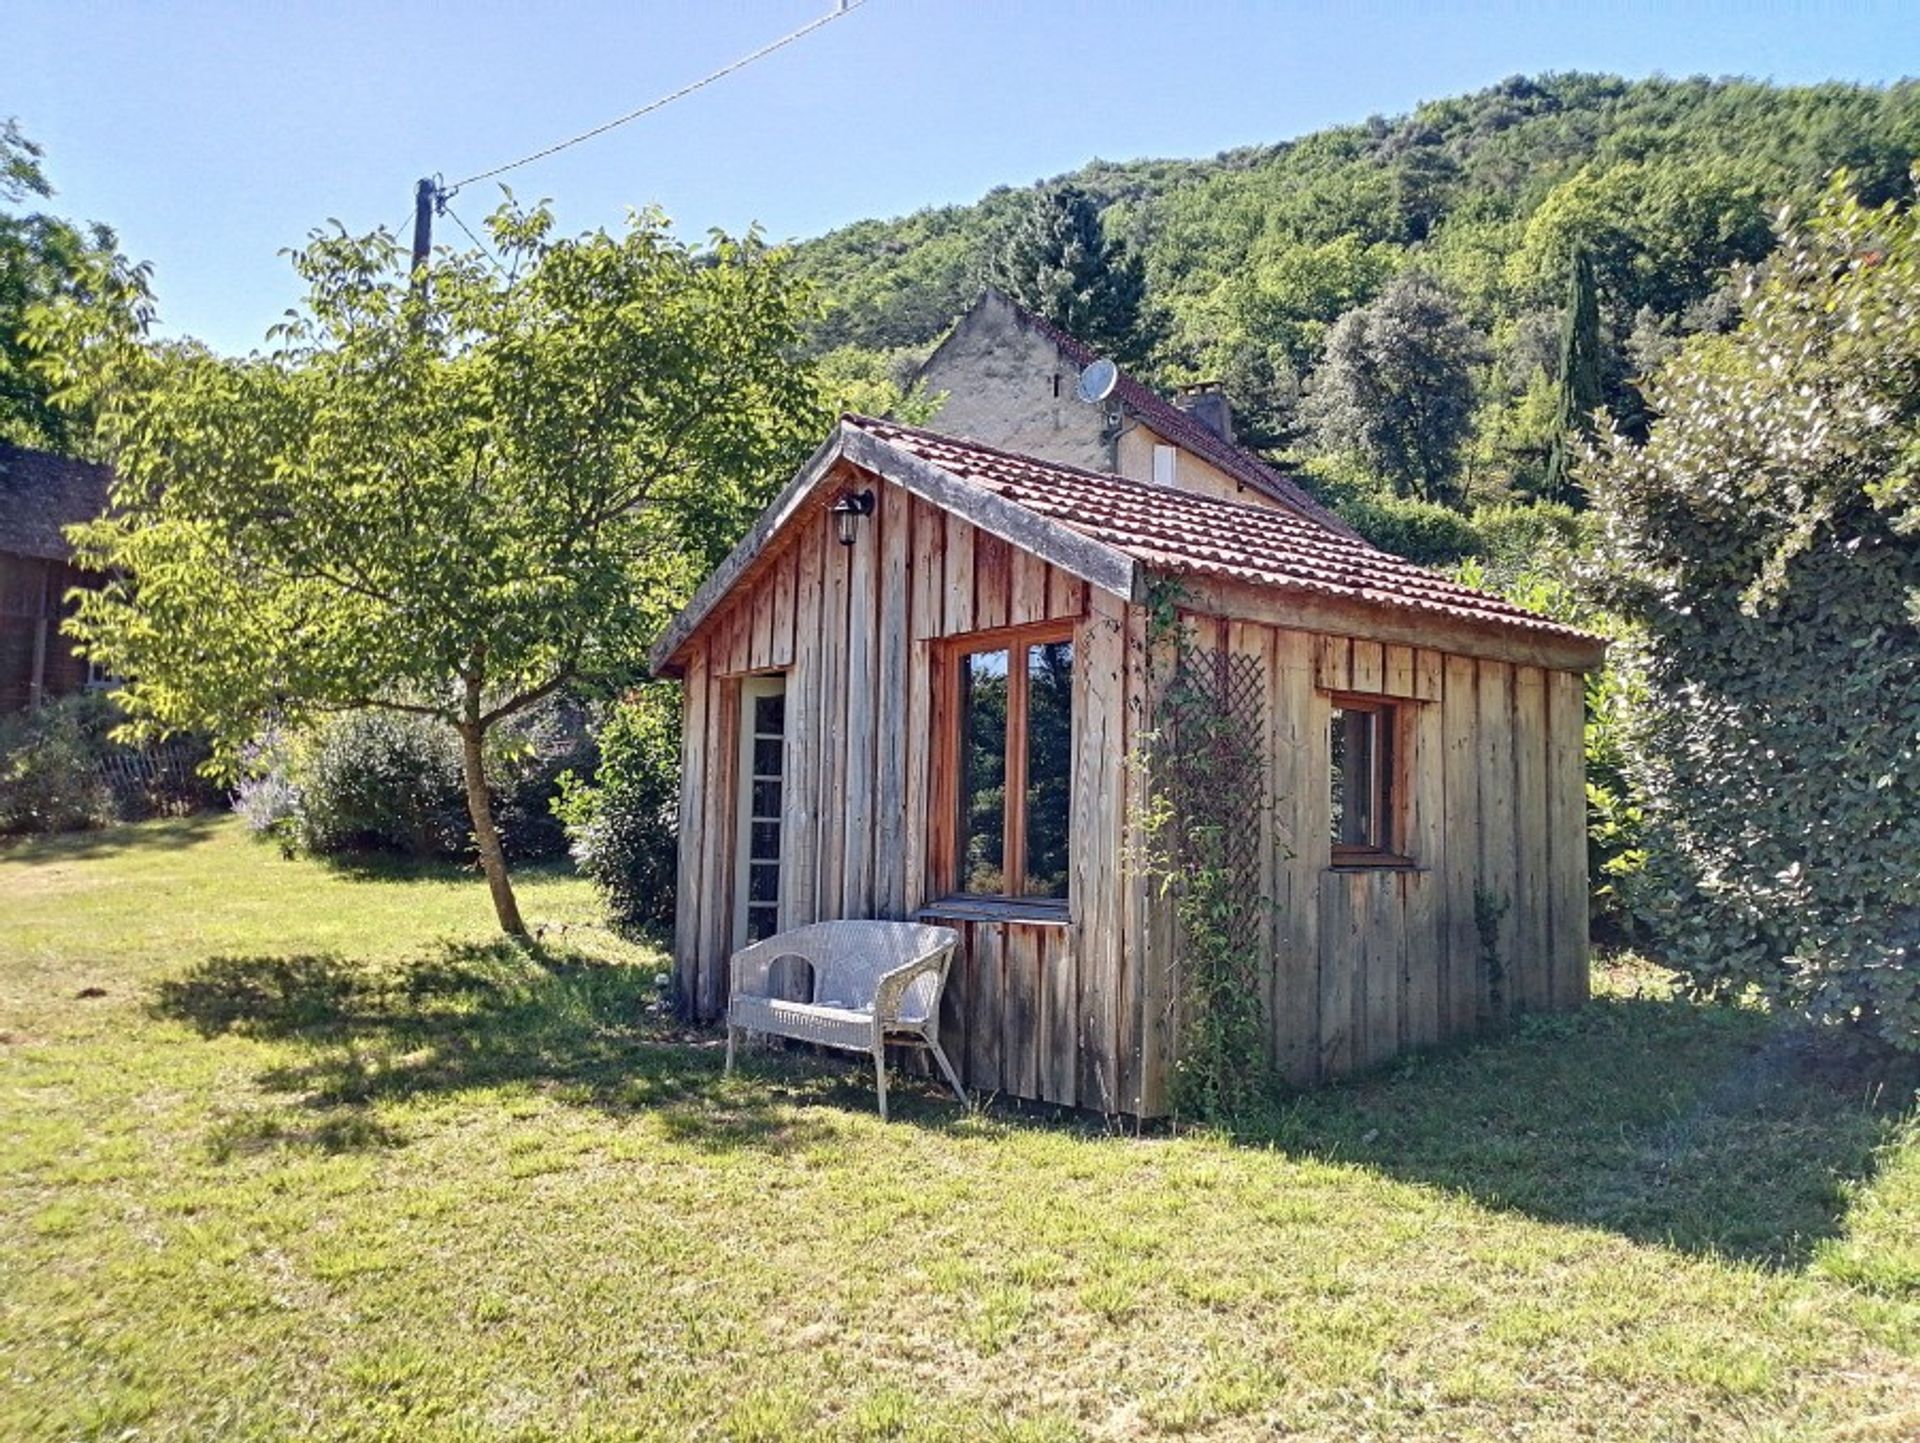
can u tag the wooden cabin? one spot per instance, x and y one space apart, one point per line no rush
914 690
40 495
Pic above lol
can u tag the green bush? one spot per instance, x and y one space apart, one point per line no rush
61 770
1422 531
1519 536
50 778
624 825
379 781
1766 539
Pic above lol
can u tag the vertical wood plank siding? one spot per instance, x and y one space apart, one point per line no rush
1362 962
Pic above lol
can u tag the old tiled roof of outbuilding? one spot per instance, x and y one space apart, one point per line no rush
40 493
1180 429
1183 532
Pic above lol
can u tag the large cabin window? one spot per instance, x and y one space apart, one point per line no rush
1014 764
1363 744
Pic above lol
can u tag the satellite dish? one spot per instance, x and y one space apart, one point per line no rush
1097 381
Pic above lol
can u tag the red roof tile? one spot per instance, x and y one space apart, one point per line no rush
1184 532
1181 429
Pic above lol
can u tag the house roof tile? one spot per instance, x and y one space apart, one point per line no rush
1183 532
40 493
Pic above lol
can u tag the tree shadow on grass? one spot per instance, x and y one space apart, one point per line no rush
1714 1130
468 1018
165 835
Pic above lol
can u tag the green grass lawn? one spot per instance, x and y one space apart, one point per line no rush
297 1152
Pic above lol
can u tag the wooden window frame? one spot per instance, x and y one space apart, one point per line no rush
947 822
1392 782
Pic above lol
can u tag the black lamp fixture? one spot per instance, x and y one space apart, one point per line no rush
847 512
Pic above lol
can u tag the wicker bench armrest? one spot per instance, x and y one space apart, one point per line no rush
752 965
893 985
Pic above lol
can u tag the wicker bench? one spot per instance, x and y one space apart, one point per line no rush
871 984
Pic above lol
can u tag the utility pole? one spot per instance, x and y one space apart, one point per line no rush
424 196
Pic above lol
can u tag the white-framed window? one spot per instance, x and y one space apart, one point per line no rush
1165 464
762 772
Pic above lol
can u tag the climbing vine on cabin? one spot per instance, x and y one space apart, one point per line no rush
1200 832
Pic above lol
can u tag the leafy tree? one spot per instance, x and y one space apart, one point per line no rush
1059 263
44 260
1580 385
1766 539
449 504
1396 387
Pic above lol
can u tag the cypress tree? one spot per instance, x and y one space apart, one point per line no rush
1058 263
1580 385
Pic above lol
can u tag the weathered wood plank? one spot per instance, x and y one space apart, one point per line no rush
1302 814
992 580
688 922
1369 667
783 602
1136 1084
1377 1032
1569 901
1067 595
893 604
1028 602
800 819
1095 891
759 606
1059 1002
716 871
1429 674
1343 916
957 562
957 1002
988 1022
1423 1005
1020 1038
1532 957
1333 663
834 686
1398 679
1494 745
1460 847
860 813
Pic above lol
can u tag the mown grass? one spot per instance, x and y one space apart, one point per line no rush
298 1152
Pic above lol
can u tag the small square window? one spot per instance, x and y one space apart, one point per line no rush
1362 745
1165 465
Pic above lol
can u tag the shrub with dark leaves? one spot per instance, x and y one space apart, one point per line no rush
625 824
1766 539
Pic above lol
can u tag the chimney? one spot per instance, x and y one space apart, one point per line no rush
1207 404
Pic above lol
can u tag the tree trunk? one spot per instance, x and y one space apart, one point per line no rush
493 860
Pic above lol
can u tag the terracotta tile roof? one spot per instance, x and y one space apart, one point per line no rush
40 493
1183 430
1183 532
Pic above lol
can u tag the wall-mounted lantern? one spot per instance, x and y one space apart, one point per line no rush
847 512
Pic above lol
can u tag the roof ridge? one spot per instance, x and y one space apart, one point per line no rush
1157 487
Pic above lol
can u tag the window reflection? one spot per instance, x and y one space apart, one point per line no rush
983 763
1049 766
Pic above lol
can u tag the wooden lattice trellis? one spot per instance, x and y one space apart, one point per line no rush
1213 769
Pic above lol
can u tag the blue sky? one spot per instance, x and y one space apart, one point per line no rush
212 135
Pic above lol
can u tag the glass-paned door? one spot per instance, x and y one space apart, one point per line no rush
763 731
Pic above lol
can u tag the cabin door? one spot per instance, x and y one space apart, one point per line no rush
756 871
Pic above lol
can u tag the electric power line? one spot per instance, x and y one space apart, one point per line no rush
841 8
485 250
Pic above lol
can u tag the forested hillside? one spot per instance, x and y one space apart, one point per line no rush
1252 256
